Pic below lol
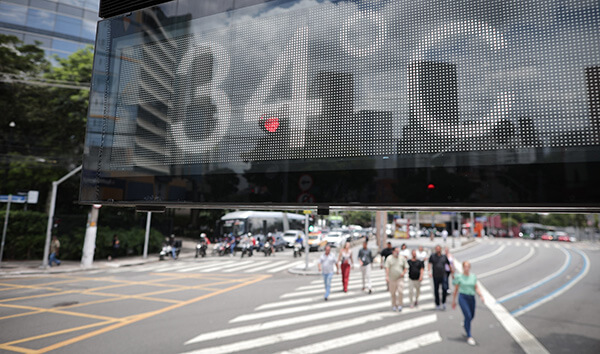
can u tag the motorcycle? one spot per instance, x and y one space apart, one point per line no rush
297 250
201 249
267 249
167 250
247 249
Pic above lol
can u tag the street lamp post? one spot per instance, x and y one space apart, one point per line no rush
51 214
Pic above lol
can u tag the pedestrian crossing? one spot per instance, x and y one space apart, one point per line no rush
301 321
216 266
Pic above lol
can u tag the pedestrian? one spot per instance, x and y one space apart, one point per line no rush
466 288
326 263
395 269
422 254
437 261
365 257
444 235
385 253
404 251
116 244
54 248
346 263
416 268
447 268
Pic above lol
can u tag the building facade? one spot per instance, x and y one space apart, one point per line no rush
60 26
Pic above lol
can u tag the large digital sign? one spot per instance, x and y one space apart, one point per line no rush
391 104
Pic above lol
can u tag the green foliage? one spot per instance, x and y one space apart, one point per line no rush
25 234
131 242
362 218
43 127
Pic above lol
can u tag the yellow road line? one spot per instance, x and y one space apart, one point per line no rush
56 333
40 295
148 315
17 349
21 286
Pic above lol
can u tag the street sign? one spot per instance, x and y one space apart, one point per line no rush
15 199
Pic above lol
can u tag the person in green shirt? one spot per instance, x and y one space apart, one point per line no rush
466 287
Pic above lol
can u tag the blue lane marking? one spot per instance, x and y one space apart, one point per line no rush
542 283
583 269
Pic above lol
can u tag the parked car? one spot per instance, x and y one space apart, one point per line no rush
548 236
563 236
316 242
335 239
290 237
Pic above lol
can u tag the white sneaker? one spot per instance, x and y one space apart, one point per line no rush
394 308
399 308
471 341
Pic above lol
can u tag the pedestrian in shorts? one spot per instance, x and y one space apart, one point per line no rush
415 274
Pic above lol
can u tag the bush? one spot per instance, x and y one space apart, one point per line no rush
25 234
26 237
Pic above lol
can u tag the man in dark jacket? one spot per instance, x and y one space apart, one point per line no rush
438 262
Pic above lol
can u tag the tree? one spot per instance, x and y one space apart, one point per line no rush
43 120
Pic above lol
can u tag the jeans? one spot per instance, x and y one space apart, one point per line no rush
327 279
467 305
53 259
436 289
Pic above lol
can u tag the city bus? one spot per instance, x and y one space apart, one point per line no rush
241 223
533 230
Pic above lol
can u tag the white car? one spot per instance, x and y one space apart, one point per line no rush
290 237
335 239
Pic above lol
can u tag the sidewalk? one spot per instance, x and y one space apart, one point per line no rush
460 243
15 268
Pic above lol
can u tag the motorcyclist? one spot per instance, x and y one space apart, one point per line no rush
203 242
231 244
271 240
172 244
299 241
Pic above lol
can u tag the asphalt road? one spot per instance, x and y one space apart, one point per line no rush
540 297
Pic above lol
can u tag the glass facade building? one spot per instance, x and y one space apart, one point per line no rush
61 26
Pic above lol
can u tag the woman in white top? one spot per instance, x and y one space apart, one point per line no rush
346 263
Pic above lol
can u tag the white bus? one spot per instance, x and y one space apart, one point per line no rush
241 223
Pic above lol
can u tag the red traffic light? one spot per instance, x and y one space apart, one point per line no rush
431 186
269 124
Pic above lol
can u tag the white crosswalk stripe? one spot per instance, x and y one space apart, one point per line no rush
209 266
365 335
410 344
309 316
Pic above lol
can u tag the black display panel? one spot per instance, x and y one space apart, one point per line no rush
391 104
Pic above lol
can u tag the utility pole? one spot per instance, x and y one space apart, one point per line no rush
89 244
51 214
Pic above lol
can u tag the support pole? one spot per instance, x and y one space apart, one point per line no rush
51 214
5 226
306 247
147 235
89 244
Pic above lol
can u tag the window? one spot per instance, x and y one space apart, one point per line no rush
14 14
88 29
41 19
68 25
65 46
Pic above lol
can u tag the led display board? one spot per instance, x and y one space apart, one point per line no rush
386 104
